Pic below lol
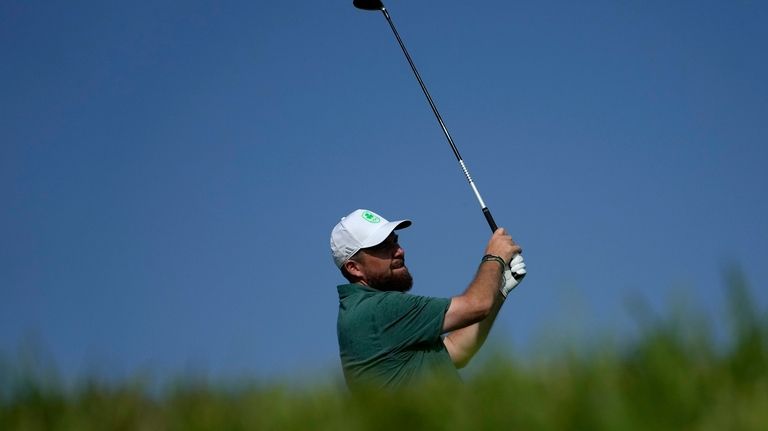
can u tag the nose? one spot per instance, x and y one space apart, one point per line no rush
399 252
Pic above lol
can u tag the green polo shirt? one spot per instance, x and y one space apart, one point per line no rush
391 339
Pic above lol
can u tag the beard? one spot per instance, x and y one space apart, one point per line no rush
399 280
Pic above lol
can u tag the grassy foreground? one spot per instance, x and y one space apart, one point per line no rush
672 377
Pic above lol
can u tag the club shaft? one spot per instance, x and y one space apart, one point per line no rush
486 211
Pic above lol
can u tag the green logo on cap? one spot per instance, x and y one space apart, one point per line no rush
371 217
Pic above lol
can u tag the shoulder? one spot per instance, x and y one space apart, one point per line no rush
397 303
366 300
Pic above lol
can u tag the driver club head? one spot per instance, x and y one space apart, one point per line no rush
368 4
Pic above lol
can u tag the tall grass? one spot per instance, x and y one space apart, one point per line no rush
674 376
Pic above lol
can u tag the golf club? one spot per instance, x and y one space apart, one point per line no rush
378 5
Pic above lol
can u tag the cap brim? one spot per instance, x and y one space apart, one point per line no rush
383 232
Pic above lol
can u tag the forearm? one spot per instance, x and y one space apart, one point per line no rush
484 289
477 302
470 316
464 342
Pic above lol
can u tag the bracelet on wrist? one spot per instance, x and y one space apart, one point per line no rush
491 257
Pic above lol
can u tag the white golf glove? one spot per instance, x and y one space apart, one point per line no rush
508 281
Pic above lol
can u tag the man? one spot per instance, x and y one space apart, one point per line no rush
388 338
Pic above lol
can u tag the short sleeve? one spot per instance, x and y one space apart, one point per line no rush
405 320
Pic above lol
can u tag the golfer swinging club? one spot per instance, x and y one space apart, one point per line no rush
390 339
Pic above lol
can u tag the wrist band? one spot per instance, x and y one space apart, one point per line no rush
489 257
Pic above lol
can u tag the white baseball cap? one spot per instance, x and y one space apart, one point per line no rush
360 229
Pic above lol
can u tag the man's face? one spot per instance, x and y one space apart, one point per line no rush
384 266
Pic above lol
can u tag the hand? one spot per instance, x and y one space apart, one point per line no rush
502 245
508 280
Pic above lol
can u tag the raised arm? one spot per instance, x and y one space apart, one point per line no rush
470 316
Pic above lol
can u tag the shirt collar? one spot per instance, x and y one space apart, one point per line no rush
346 290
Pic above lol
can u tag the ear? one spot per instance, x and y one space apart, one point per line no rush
354 269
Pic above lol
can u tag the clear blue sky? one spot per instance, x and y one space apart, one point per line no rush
170 172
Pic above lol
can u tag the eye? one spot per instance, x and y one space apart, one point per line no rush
386 245
381 246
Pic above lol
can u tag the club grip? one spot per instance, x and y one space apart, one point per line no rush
518 276
489 219
494 228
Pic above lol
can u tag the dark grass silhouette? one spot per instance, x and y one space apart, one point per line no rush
673 376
